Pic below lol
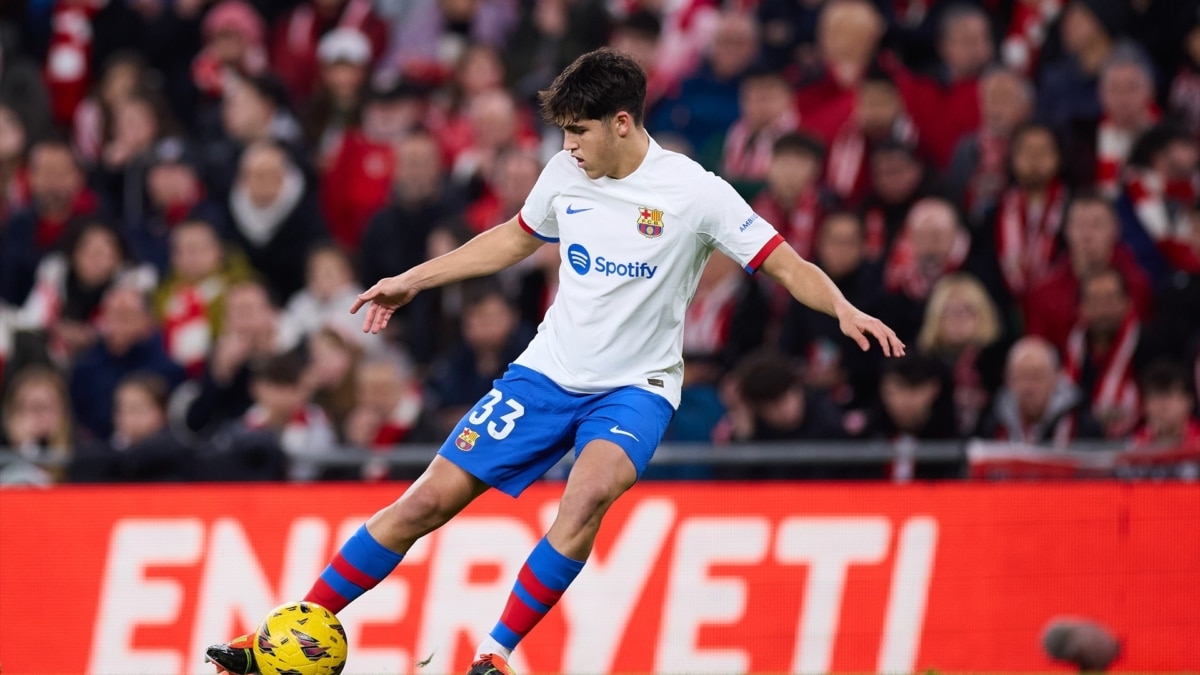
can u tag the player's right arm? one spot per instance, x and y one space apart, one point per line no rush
487 253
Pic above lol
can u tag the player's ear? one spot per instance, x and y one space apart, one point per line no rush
623 123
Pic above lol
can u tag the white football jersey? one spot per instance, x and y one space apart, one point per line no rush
632 253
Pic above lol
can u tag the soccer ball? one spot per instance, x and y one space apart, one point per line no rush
300 638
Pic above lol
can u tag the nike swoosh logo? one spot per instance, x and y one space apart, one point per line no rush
618 430
571 210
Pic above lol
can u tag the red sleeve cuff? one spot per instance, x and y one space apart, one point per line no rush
763 252
533 233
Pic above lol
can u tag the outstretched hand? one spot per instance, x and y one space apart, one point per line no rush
382 300
858 326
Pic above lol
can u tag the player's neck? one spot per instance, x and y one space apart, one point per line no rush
632 154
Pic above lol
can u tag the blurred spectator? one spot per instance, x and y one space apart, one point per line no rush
14 172
296 39
21 83
333 360
429 37
1031 20
282 408
1068 90
916 403
356 182
1157 197
395 239
792 199
273 218
932 245
727 316
962 330
190 302
767 113
706 103
830 362
344 56
1038 404
978 170
389 411
767 402
141 448
37 425
174 194
1027 221
879 116
1102 351
947 107
1168 408
94 118
848 36
898 181
1184 93
325 300
66 297
492 336
1098 152
640 35
234 44
495 125
69 60
138 123
1091 233
128 343
548 36
1175 328
253 109
249 332
512 177
56 195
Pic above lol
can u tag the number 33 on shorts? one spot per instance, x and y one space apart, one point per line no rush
512 411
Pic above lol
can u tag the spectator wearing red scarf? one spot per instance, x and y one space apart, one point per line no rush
57 194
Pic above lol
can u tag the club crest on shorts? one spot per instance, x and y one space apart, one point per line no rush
466 440
650 223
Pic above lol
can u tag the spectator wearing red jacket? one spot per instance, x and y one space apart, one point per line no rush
946 108
297 36
792 199
848 36
1091 233
513 176
879 117
765 102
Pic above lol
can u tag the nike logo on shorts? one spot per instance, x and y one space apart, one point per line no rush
618 430
571 210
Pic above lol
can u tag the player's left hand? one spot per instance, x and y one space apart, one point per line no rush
382 300
857 325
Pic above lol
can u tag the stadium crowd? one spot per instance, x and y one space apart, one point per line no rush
192 193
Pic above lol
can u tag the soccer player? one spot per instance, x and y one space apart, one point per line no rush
636 224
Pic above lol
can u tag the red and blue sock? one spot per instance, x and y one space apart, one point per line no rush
543 578
357 568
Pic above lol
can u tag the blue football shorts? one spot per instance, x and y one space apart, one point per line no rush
527 423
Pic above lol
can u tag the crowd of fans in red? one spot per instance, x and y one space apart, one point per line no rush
192 192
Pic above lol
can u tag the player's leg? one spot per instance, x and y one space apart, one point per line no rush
379 545
602 473
617 435
374 550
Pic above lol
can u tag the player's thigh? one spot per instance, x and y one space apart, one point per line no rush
632 419
516 432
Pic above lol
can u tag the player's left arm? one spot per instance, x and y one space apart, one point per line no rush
809 285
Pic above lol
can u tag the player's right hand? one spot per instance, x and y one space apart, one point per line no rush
382 300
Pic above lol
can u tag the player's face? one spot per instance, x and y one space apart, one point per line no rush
593 145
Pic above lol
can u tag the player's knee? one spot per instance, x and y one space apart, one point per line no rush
419 511
586 503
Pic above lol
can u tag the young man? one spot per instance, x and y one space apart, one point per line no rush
636 225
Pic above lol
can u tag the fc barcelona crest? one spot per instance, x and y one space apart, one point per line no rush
650 223
466 440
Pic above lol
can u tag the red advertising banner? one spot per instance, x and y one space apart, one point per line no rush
686 578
